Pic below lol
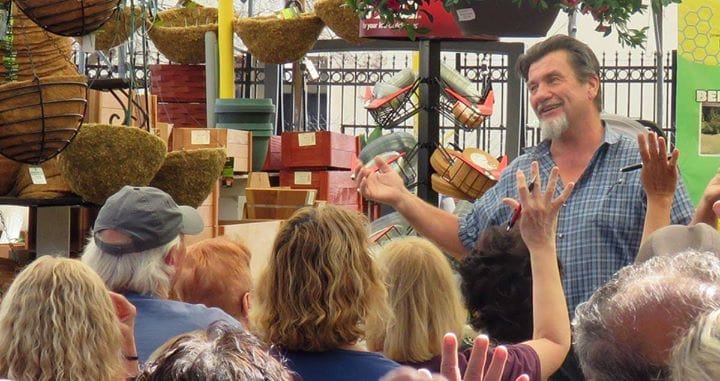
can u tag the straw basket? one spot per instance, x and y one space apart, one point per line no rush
39 118
55 186
179 34
118 28
468 177
69 18
278 41
38 52
440 185
8 173
341 19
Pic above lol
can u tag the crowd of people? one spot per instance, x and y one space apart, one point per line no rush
606 275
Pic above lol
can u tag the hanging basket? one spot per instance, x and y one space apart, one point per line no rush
390 111
69 17
104 158
341 19
278 41
8 173
38 52
39 118
189 176
179 34
118 28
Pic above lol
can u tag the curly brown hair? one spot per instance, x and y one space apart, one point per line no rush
321 285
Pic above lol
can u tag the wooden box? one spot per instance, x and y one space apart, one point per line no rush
237 143
322 149
209 211
178 83
335 187
257 235
277 203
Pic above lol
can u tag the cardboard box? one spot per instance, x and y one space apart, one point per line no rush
257 235
237 143
277 203
335 187
319 150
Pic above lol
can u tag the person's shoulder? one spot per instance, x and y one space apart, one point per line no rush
188 310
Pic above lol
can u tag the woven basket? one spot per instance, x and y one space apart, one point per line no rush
39 118
8 173
38 52
68 17
56 185
179 34
104 158
278 41
118 28
340 19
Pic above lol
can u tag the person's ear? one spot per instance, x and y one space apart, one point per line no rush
593 86
173 256
123 308
246 302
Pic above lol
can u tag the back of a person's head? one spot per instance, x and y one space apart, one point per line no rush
424 298
146 272
215 272
628 327
219 353
497 286
320 285
57 322
696 356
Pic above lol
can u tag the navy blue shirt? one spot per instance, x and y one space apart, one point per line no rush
159 320
339 365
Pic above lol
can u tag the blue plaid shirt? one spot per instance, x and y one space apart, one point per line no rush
599 227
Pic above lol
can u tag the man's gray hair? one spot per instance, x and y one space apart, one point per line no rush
697 356
144 272
613 330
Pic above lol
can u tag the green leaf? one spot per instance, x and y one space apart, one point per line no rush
374 134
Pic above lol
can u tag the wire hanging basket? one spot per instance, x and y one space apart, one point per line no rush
179 33
69 17
278 41
395 108
40 117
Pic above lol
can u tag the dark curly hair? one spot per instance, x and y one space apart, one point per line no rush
497 286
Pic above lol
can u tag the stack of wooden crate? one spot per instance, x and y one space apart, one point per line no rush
181 94
322 161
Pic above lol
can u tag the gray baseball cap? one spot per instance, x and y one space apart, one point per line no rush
149 217
673 239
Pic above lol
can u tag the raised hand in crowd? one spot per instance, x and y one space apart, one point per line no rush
476 369
659 177
538 224
707 211
126 314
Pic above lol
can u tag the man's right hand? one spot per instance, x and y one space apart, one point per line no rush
380 183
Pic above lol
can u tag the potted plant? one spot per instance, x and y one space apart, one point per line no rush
610 14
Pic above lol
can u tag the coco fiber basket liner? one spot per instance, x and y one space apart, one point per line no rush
8 174
341 19
278 41
68 18
189 176
119 28
179 34
40 117
104 158
56 185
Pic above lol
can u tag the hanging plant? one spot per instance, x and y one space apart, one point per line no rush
610 14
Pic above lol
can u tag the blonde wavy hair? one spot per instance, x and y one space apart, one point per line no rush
425 300
697 355
57 322
321 285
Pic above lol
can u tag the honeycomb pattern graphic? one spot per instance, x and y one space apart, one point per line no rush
698 40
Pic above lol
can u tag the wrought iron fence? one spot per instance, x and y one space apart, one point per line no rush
335 99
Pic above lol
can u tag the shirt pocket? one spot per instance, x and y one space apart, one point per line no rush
620 213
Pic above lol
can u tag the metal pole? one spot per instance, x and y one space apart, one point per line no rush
659 67
572 22
429 116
